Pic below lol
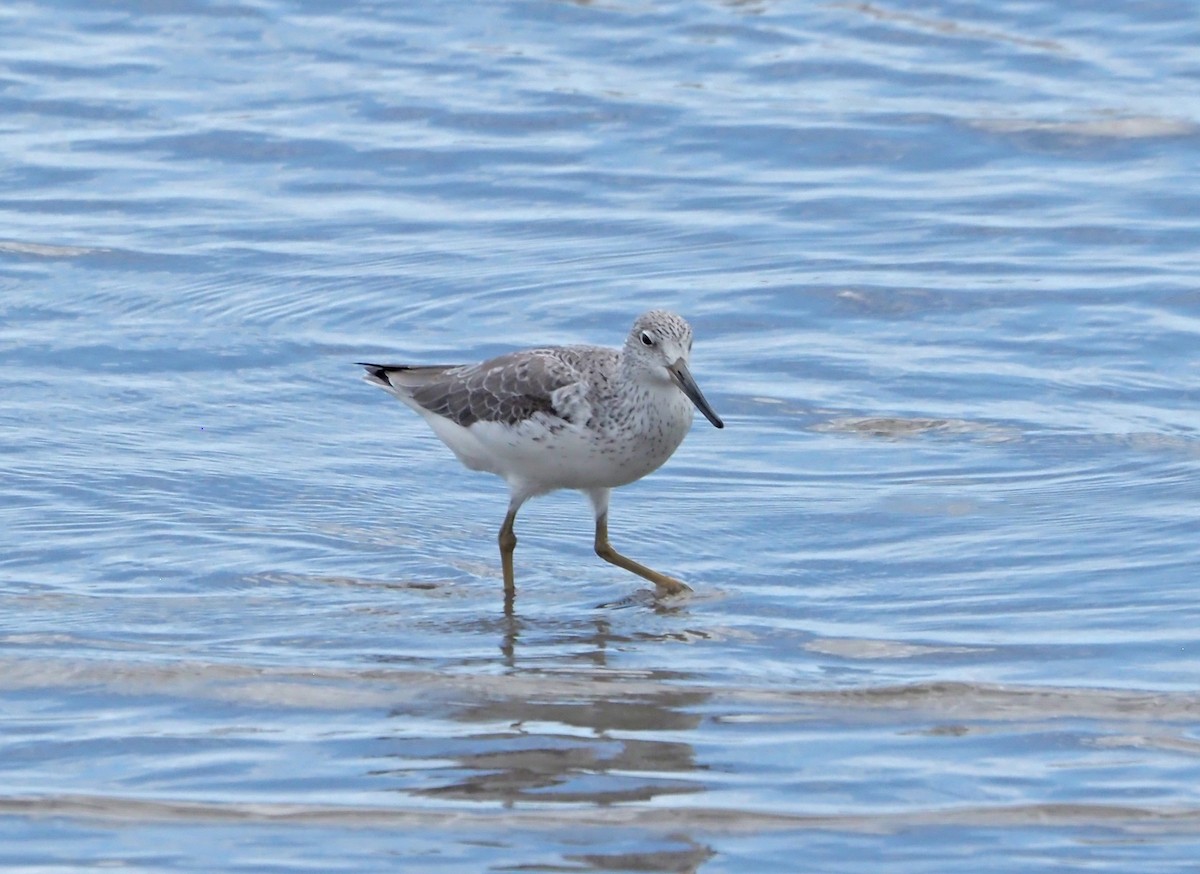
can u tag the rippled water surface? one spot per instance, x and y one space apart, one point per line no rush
943 265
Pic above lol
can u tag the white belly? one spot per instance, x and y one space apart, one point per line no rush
538 456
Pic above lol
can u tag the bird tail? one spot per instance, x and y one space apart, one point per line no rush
403 376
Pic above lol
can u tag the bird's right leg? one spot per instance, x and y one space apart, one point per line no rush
508 542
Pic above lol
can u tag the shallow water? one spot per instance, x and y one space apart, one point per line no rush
942 266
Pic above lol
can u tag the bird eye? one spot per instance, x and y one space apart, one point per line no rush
647 338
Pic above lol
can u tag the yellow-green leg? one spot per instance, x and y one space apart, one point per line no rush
508 542
604 549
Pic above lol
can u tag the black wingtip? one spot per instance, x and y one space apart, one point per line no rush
376 372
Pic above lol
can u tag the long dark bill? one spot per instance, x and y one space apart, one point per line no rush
683 378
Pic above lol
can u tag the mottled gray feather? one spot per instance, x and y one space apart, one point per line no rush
508 389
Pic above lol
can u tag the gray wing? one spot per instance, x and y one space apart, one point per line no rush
509 389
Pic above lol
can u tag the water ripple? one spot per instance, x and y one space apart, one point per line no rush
941 265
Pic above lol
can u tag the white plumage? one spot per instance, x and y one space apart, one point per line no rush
564 417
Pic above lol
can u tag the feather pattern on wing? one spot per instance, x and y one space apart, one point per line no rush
508 389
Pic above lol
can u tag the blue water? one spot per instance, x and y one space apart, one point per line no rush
943 265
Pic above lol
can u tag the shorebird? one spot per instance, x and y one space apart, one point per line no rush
589 418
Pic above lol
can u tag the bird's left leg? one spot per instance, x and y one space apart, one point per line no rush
666 585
